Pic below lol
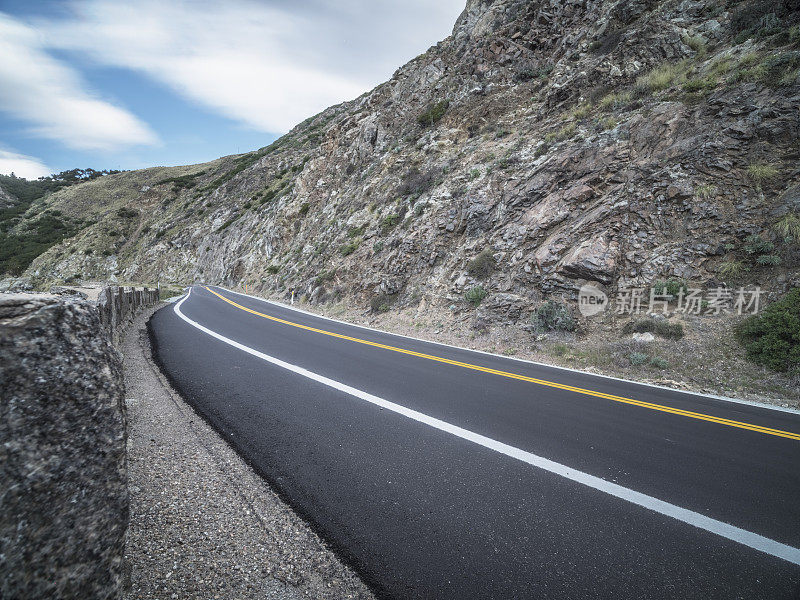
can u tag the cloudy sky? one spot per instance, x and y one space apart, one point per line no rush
113 84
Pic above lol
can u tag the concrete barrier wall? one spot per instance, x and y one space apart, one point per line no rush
63 470
119 305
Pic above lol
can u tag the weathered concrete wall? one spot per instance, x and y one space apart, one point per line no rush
118 307
63 475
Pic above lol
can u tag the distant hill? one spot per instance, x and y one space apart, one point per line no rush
27 233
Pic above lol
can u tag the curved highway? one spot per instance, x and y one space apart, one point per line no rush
441 472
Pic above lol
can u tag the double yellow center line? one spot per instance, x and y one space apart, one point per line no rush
552 384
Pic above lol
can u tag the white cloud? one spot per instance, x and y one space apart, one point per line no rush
22 166
37 89
267 65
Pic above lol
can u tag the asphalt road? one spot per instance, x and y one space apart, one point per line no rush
440 472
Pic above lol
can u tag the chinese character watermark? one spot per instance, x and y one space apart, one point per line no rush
686 300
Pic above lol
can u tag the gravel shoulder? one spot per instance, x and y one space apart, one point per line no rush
202 523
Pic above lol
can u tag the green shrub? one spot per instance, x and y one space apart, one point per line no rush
773 337
482 265
705 190
761 172
771 260
433 113
637 358
354 232
380 303
268 196
553 316
474 174
662 76
377 246
416 182
607 123
475 295
389 221
673 287
273 269
789 227
566 132
17 250
227 223
127 213
660 327
182 182
696 43
732 269
614 100
527 73
755 244
166 292
325 276
304 207
350 247
659 363
582 111
781 69
694 86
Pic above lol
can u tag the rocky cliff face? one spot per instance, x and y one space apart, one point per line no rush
583 140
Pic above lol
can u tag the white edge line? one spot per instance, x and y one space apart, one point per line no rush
795 411
741 536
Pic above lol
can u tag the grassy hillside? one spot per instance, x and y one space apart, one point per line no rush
38 214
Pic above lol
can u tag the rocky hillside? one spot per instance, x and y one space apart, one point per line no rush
561 141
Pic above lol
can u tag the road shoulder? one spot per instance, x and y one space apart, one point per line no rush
202 523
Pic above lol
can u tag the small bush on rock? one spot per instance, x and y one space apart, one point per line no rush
755 244
659 363
416 182
773 337
553 316
789 227
475 295
672 286
350 247
732 269
433 113
482 265
380 303
660 327
389 221
662 76
761 172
